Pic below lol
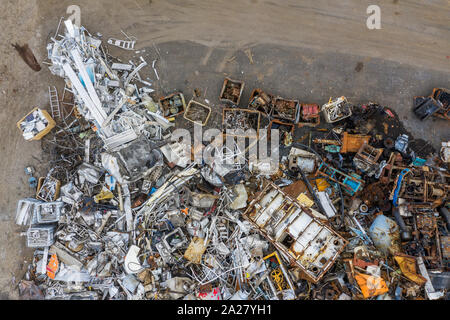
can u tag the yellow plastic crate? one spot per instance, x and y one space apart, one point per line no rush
51 124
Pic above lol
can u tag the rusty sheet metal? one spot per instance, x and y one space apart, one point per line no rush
353 142
407 265
308 243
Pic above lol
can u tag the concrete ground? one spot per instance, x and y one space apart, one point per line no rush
306 50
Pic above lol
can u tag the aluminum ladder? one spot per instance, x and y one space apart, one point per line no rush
54 103
127 45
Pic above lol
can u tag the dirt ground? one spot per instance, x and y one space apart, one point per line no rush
308 50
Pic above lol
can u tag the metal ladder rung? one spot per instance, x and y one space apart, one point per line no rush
54 103
127 45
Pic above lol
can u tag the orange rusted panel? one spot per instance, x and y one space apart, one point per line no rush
353 142
371 286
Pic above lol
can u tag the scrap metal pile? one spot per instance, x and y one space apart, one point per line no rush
124 213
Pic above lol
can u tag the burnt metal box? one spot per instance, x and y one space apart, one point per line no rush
231 91
309 115
48 212
197 112
261 101
173 104
288 110
240 119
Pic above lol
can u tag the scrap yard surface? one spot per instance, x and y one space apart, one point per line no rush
225 150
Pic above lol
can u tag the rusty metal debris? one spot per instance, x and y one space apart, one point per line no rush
231 91
240 122
295 231
351 210
197 112
285 109
173 104
309 115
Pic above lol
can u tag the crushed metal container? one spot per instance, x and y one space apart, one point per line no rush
40 236
25 210
231 91
48 212
197 112
173 104
292 229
